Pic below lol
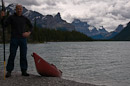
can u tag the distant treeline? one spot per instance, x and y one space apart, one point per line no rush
49 35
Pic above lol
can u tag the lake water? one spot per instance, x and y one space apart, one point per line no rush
103 63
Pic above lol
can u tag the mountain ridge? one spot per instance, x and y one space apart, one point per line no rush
124 34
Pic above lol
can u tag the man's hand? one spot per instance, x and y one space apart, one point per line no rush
2 14
26 34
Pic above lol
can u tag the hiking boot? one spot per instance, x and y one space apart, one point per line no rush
8 74
25 74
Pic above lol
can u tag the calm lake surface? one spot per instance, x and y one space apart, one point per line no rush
103 63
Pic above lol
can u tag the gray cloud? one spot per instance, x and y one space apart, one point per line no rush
107 13
50 2
23 2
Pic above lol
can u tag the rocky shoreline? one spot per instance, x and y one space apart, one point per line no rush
34 80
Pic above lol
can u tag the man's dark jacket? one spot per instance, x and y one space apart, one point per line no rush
18 25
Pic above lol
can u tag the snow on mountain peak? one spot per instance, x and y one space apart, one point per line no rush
12 6
76 21
27 13
91 28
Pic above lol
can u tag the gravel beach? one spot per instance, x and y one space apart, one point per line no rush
34 80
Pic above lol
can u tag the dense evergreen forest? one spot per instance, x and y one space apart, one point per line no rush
40 35
45 35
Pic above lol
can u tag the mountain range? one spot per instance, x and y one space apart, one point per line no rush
124 34
56 22
87 29
93 32
44 21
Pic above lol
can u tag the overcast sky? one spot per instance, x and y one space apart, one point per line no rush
107 13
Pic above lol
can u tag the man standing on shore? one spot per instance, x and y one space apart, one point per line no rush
19 36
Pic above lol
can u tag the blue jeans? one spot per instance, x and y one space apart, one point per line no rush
14 44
